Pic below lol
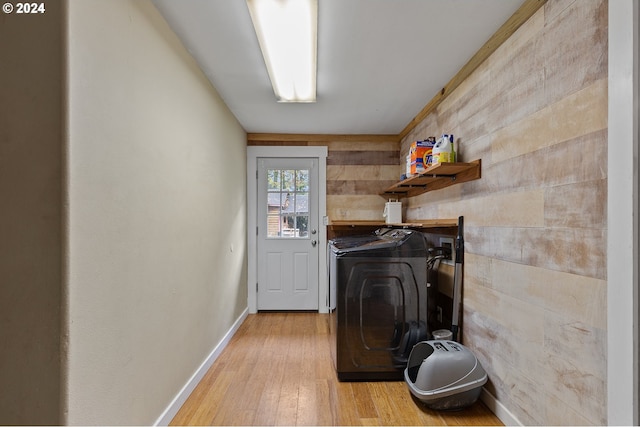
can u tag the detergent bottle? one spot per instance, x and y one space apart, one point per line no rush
443 151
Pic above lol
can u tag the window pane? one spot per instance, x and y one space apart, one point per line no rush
288 180
288 226
302 225
302 203
286 204
273 204
273 180
302 180
273 225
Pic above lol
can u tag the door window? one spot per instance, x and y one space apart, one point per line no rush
287 203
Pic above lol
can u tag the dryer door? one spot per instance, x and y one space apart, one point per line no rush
385 312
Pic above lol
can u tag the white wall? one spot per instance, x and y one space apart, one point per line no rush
156 215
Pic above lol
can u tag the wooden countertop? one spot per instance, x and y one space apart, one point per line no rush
358 227
421 223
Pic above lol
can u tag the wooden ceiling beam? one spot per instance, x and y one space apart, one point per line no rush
290 137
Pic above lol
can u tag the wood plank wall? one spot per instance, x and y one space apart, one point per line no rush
535 112
359 167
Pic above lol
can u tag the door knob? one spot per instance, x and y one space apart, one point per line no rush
313 231
314 243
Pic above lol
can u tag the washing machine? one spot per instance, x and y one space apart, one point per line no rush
378 297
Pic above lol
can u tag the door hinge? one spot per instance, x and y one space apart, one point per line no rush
257 228
256 173
256 287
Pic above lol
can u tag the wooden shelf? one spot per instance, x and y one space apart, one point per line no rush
435 177
419 223
360 227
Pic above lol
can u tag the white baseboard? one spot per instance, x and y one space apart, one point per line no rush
191 384
507 418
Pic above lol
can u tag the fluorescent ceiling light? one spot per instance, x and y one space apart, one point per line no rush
287 33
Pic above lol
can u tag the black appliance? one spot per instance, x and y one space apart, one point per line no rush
378 297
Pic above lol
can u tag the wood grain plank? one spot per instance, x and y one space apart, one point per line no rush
255 138
363 157
576 251
357 187
287 357
575 48
367 145
365 406
580 113
355 207
204 415
363 172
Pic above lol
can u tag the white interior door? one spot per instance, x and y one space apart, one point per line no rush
287 236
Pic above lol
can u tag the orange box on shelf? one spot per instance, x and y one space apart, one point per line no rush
420 153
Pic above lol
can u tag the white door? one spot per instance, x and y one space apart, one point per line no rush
287 235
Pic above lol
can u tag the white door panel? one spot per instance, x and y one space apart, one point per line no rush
287 234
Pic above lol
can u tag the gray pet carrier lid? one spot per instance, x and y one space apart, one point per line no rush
439 368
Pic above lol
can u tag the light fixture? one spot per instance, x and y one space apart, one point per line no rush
287 33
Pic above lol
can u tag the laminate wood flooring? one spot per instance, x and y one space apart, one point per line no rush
277 370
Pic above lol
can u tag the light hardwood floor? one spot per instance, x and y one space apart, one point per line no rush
277 370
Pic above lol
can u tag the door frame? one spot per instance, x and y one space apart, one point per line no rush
623 295
253 154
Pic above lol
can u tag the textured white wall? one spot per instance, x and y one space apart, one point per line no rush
157 214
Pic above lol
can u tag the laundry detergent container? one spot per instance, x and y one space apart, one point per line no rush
444 375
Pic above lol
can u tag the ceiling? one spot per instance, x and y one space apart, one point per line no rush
379 61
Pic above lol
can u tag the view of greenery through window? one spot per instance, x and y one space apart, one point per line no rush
288 203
